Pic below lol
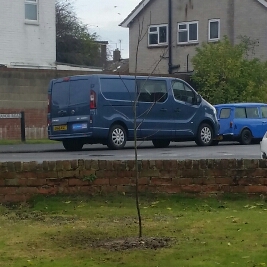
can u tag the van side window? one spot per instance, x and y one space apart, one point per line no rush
240 113
252 113
152 91
118 89
264 112
225 113
182 92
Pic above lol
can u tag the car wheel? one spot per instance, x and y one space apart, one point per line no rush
160 143
116 137
72 145
246 137
204 135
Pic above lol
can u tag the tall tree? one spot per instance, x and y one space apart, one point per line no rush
75 45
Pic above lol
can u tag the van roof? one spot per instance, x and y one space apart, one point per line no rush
116 76
240 104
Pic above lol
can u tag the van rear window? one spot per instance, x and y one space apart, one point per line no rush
60 94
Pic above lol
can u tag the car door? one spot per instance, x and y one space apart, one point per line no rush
225 117
79 105
153 113
60 106
248 117
184 111
263 113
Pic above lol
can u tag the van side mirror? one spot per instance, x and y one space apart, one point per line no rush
197 100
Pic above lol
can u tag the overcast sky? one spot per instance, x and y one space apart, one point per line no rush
103 17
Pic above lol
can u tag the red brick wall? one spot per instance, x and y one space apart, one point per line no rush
20 181
35 124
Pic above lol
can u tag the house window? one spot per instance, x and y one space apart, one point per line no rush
31 10
214 29
158 35
187 32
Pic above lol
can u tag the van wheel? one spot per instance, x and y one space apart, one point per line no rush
160 143
245 137
116 137
204 135
72 145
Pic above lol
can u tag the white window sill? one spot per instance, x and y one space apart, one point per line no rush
158 45
32 22
189 43
213 40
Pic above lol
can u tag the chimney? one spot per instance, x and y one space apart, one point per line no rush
116 55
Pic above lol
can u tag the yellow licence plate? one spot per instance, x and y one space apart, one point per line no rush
60 128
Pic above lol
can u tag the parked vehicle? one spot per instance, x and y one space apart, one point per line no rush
263 147
99 108
242 122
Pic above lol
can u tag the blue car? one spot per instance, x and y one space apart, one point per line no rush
242 122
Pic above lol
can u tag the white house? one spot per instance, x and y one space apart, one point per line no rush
28 33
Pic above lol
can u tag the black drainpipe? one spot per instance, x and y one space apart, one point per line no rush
171 67
170 36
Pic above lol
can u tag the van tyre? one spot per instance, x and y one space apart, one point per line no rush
116 137
246 137
72 145
160 143
204 135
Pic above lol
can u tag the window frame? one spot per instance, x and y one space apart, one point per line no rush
157 32
33 3
219 30
187 23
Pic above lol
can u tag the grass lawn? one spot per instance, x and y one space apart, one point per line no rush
65 231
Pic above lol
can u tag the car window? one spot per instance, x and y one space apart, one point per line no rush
252 113
264 112
240 113
225 113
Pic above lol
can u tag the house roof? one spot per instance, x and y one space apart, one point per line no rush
134 13
125 23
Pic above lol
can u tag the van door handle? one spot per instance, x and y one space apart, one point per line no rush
62 112
177 110
163 110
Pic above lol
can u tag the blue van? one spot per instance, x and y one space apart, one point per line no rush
242 122
99 108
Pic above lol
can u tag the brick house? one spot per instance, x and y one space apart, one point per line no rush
173 29
28 33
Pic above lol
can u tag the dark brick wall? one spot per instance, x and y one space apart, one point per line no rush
19 181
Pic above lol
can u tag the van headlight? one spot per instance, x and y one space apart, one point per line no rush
214 111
